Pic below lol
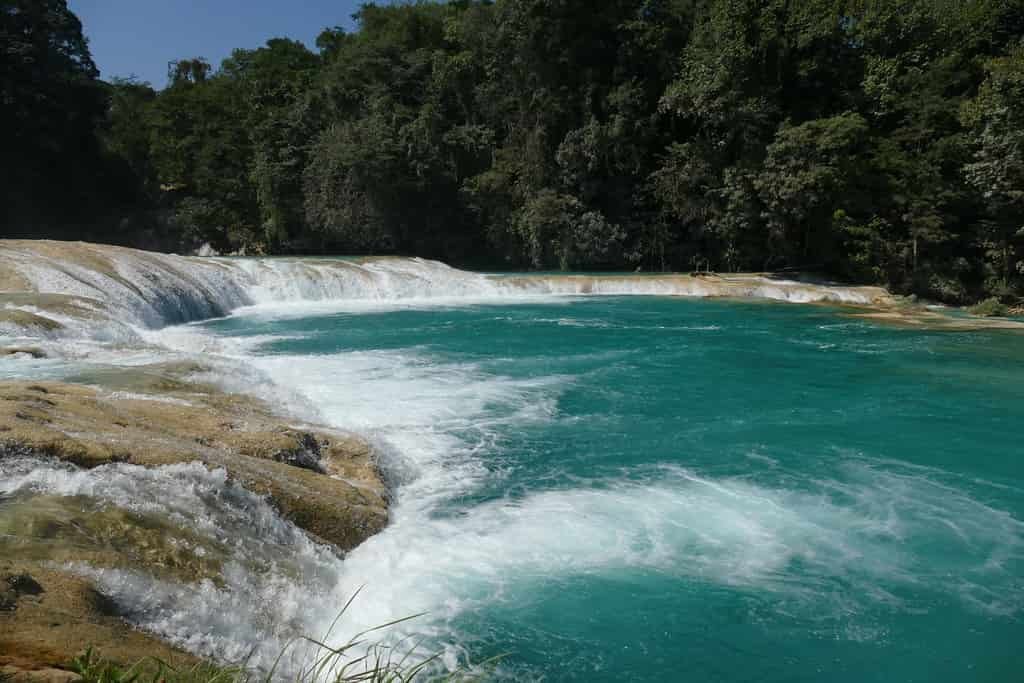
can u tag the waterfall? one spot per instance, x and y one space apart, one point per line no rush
107 293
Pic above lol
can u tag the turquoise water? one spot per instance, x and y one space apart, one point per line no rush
660 489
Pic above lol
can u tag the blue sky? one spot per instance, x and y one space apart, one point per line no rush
141 36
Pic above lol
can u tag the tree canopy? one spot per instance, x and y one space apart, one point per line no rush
865 139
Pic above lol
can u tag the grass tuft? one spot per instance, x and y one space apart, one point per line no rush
357 661
380 664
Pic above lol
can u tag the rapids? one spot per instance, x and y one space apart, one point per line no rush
127 289
607 477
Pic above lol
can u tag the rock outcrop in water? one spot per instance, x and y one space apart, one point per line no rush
47 615
324 482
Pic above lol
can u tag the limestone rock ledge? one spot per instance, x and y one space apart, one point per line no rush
48 616
325 482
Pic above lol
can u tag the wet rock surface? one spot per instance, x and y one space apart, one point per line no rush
325 482
56 616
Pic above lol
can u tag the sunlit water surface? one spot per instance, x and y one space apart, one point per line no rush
609 489
646 488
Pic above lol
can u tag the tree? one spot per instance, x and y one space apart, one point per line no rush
559 231
351 183
275 83
187 72
810 171
996 121
52 105
877 141
127 132
201 152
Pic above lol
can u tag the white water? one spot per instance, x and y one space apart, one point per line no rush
726 532
128 291
271 568
438 424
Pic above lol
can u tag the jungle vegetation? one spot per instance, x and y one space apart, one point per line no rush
869 140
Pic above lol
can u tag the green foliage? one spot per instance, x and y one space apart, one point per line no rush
127 136
350 183
51 104
988 308
92 669
810 172
275 81
996 121
380 665
188 72
872 140
356 661
557 228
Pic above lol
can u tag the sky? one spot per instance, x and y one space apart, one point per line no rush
139 37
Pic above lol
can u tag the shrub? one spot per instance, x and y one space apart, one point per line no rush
989 308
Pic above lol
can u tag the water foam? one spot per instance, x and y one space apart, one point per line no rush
271 573
826 549
124 291
838 545
816 555
829 553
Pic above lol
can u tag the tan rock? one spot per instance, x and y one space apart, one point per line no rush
24 351
57 530
53 617
922 317
326 483
28 320
17 675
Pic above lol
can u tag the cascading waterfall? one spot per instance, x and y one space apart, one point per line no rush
572 474
255 595
128 289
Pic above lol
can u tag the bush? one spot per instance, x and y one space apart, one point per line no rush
990 308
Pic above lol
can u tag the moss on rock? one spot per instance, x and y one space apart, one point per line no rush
61 616
76 529
325 482
342 500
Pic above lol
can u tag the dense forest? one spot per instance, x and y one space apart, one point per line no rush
871 140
